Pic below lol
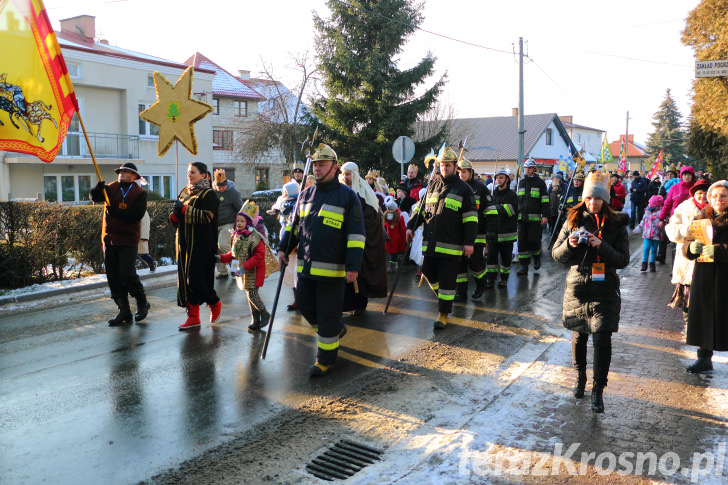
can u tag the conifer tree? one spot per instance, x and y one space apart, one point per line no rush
668 135
705 30
368 101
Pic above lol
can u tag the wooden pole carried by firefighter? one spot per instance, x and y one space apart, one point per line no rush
306 151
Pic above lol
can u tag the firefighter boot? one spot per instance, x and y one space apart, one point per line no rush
704 362
441 321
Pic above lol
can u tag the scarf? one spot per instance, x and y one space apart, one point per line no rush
198 187
698 204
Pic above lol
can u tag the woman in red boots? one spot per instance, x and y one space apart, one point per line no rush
195 217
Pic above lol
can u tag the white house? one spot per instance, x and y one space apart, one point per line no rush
112 86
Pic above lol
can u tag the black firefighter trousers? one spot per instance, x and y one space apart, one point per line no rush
320 303
441 274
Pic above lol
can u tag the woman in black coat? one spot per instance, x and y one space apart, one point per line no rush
707 316
195 217
591 299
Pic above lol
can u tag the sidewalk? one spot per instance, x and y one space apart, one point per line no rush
661 423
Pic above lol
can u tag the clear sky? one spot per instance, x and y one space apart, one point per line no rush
592 60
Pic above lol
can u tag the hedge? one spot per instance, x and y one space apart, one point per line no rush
41 241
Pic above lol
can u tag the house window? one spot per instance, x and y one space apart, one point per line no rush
146 128
549 136
261 179
150 80
162 185
67 188
241 108
215 106
74 70
222 140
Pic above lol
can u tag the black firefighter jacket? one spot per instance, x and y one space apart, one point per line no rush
533 199
501 216
482 200
450 216
329 234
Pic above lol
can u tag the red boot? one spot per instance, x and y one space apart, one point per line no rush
215 311
193 318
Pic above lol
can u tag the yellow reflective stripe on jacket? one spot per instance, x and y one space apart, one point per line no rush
536 193
521 192
327 269
509 210
454 202
305 209
471 216
544 200
432 199
509 236
355 241
491 212
332 212
444 248
328 343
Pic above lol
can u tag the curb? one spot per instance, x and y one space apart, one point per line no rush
41 295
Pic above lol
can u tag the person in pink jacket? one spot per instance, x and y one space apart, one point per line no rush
678 193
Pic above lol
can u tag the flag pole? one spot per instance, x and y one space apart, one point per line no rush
93 158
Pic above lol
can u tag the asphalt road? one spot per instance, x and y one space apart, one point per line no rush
84 403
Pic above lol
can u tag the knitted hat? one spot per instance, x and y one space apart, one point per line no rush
291 188
596 185
391 204
719 183
655 201
701 184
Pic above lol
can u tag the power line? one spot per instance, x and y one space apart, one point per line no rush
425 30
619 57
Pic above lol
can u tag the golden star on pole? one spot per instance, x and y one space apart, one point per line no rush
175 112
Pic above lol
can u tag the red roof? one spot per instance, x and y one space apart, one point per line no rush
633 150
224 84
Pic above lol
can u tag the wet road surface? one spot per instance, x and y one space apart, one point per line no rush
80 401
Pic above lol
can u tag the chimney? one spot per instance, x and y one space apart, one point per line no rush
243 74
567 119
84 25
514 111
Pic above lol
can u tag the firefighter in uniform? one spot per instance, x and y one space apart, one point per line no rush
476 262
577 187
500 230
533 214
329 234
451 224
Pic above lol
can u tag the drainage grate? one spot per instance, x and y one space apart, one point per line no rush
343 460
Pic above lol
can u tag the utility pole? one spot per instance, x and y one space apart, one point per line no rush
521 132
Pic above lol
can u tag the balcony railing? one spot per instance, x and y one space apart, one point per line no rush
104 145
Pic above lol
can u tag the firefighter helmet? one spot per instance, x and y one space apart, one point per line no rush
448 155
323 152
464 164
529 163
298 166
579 176
503 171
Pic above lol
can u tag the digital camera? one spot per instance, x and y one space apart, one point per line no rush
582 236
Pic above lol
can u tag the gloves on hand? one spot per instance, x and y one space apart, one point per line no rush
708 251
177 211
696 247
100 186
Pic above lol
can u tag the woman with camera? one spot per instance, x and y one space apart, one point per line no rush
707 318
594 243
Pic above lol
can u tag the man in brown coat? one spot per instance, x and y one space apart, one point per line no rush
120 234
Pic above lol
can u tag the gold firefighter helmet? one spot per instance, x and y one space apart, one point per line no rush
298 166
465 164
323 152
448 155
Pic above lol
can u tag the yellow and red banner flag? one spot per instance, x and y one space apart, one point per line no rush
37 100
657 167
